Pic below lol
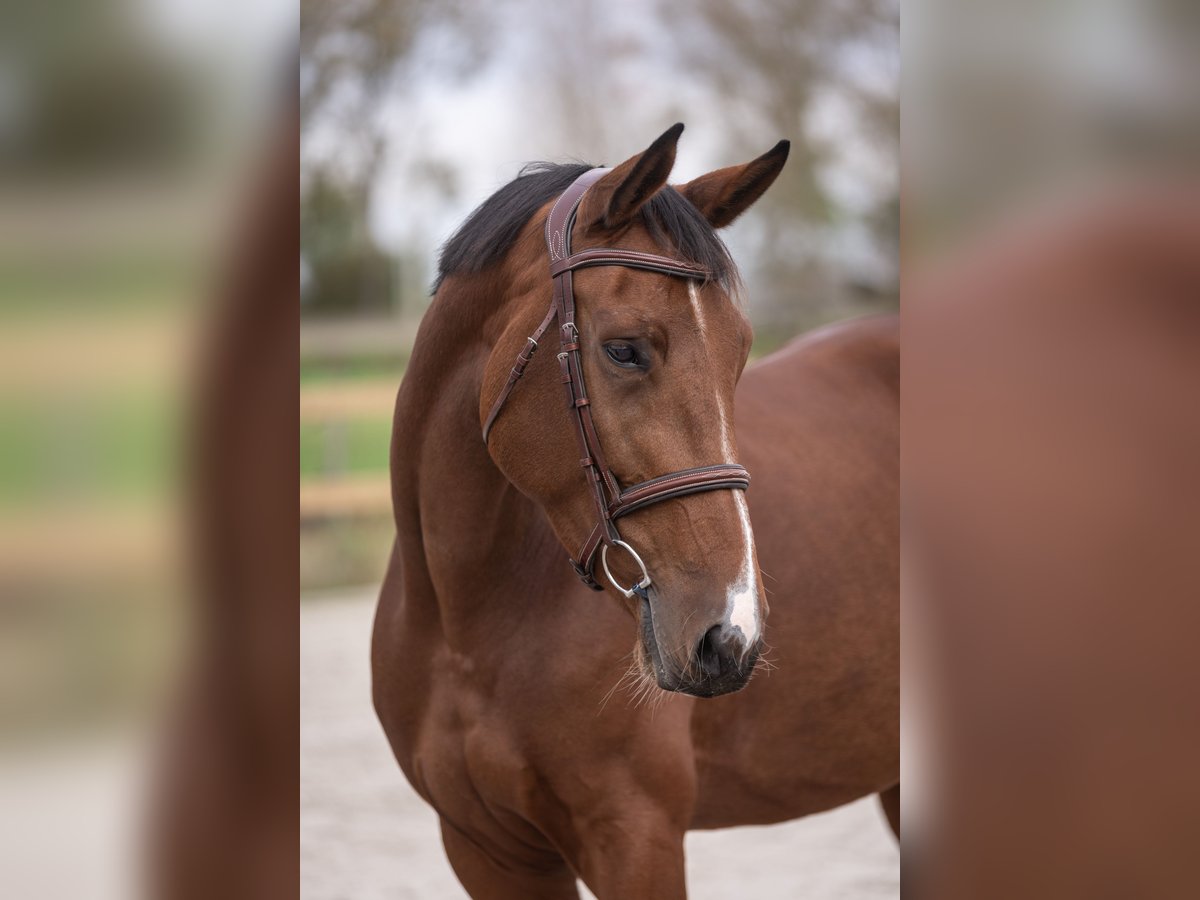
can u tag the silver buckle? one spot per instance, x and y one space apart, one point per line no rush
645 580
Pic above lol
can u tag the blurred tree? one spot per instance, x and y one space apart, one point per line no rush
100 98
780 68
347 272
355 55
594 80
354 59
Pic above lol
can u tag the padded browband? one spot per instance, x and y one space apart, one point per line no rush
610 500
679 484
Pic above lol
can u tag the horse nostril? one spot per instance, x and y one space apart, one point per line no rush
708 652
721 663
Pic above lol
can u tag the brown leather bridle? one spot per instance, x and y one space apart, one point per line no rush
612 502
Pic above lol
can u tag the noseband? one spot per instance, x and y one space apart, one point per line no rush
611 500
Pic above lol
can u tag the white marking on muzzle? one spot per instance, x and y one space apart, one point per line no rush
741 608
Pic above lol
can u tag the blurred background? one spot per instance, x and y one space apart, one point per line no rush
1051 370
127 133
121 138
132 138
415 112
1024 108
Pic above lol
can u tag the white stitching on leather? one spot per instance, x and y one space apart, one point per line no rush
732 474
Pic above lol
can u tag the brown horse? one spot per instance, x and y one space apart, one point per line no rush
552 728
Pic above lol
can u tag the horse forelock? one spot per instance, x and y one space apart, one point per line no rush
489 233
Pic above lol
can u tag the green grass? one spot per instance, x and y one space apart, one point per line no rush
99 446
323 371
344 447
42 288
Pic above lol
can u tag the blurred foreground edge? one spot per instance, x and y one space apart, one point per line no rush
225 817
1051 470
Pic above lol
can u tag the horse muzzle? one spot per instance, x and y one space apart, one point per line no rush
721 662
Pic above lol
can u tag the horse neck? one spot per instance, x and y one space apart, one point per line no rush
470 542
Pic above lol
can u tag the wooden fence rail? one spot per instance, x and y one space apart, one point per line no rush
345 495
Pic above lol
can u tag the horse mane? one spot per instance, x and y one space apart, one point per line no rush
487 235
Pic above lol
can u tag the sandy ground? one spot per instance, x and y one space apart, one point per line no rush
364 834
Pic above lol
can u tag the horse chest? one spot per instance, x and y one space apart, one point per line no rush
465 751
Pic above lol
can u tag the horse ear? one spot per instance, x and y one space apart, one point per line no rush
725 194
612 202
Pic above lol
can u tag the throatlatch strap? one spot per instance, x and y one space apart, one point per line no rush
518 369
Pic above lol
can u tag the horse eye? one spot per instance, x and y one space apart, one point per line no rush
621 354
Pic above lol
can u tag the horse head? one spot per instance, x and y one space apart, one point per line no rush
660 356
